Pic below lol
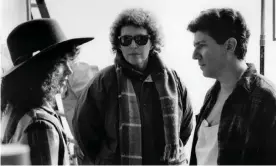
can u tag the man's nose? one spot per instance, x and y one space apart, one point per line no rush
196 55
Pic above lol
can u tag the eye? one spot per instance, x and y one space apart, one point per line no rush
199 46
126 38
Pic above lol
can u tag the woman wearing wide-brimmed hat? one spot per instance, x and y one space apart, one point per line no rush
41 55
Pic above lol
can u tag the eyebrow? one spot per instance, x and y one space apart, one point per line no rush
199 42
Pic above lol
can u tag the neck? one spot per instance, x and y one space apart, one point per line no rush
230 76
142 66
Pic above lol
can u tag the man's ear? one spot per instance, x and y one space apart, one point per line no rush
231 44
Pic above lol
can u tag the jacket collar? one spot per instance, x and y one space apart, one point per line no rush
244 82
155 65
248 77
48 108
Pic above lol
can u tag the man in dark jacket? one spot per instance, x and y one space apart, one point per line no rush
136 111
42 57
237 122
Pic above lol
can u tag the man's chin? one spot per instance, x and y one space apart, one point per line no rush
208 75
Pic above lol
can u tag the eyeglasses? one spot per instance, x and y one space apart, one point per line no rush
141 40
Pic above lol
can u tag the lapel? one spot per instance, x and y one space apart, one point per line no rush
209 102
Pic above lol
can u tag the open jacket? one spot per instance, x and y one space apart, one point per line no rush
96 117
247 129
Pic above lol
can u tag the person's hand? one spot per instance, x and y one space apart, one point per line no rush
176 159
78 152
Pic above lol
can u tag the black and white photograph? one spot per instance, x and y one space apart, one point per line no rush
148 82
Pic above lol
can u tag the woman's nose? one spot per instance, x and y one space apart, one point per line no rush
68 69
133 44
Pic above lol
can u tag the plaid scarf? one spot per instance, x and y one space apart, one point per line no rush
129 116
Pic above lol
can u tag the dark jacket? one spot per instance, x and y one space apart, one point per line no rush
96 117
247 131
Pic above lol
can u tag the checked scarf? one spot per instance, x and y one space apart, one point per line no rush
129 116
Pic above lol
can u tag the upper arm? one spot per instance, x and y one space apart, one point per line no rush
269 150
187 116
43 140
88 119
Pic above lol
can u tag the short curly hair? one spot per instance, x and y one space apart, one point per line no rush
140 18
222 24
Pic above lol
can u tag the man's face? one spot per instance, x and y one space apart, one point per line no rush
61 74
211 56
135 53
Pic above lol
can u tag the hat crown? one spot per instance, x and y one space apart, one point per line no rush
33 36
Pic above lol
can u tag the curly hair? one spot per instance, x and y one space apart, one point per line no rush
222 24
140 18
34 83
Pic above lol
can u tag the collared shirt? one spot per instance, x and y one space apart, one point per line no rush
247 130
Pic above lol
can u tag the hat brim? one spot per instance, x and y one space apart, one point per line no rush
74 41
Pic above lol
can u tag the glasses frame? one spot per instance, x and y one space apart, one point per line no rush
133 38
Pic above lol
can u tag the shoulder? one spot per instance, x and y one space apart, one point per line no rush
263 87
40 124
108 71
264 95
103 78
178 79
41 119
101 84
105 73
42 131
43 125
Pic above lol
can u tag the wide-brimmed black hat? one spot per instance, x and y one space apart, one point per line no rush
32 39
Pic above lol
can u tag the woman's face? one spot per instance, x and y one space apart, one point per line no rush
61 74
135 46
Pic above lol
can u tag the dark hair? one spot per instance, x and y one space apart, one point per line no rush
30 86
136 17
222 24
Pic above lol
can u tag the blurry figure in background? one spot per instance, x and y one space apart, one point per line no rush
136 111
42 57
237 122
82 74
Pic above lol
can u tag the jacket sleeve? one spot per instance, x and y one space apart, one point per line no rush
268 152
88 122
186 125
43 140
